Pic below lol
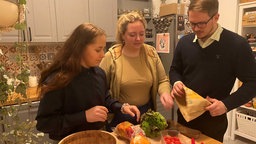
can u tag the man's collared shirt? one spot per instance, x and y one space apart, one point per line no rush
210 40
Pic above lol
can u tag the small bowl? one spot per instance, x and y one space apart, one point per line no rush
169 132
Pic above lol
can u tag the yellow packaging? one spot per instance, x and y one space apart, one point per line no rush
192 105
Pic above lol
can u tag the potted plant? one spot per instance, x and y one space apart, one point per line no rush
13 91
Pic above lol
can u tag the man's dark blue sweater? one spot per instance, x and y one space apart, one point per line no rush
212 72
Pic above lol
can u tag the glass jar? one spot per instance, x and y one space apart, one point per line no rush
254 102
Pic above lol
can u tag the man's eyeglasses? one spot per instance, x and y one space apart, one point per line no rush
199 24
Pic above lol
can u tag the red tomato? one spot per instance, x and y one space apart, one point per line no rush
171 140
129 132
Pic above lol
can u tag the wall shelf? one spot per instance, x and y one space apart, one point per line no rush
251 25
249 108
243 30
237 132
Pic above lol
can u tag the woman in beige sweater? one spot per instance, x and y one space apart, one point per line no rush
135 73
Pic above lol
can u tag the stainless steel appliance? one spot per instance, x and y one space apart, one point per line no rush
175 26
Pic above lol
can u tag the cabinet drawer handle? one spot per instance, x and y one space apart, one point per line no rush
30 36
23 33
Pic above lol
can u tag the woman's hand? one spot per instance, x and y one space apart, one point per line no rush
131 110
96 114
166 100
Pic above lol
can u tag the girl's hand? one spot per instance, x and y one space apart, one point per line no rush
96 114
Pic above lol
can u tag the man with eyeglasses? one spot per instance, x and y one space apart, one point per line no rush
208 62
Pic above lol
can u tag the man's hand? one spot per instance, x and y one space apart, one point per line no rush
96 114
178 89
216 108
166 100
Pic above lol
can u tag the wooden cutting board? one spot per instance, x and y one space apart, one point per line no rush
183 139
201 138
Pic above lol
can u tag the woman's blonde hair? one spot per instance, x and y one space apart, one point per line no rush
124 20
209 6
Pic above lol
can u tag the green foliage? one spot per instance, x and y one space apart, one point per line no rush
24 75
152 123
13 82
20 26
21 88
3 93
17 130
22 2
3 85
21 47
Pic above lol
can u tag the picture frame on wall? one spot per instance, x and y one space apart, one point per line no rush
163 43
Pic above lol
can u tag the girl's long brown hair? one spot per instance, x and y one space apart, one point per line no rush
67 62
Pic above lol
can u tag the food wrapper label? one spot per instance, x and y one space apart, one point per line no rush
128 131
192 105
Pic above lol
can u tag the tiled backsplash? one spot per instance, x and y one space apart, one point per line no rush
38 55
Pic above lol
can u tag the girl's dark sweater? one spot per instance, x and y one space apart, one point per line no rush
62 112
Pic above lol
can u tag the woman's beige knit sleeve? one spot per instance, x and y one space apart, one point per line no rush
106 65
163 80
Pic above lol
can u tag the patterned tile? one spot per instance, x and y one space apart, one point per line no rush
43 57
50 56
33 49
24 57
35 54
33 57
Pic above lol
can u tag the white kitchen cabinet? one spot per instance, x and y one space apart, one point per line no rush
55 20
10 36
41 23
23 113
70 14
244 118
103 13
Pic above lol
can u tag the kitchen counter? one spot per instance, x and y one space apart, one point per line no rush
203 139
184 132
32 95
